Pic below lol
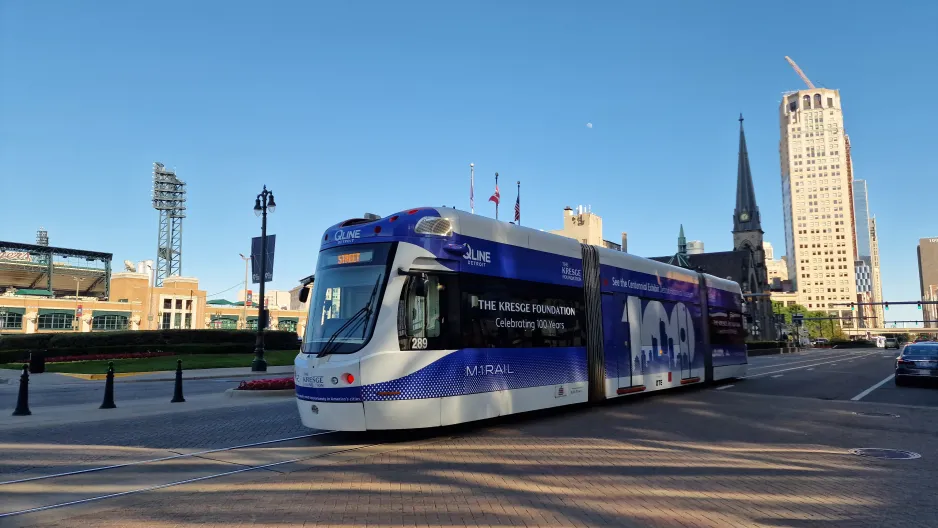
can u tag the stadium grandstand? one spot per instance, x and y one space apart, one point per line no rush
46 271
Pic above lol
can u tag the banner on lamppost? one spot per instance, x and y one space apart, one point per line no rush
256 250
248 297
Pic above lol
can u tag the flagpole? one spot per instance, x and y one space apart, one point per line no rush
518 202
496 203
472 200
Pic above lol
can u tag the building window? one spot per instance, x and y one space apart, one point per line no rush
12 321
188 304
56 321
167 304
179 304
109 322
806 102
830 104
287 326
188 320
223 323
165 323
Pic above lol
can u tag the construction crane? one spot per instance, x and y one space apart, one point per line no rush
799 72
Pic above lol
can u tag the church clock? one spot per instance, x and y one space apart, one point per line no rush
744 216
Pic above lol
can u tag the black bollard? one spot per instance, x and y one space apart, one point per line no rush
22 400
109 388
177 392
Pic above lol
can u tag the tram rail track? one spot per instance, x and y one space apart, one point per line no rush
9 487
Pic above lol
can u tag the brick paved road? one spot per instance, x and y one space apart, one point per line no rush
696 458
75 446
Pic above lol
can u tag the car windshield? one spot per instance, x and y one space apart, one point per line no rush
921 351
346 295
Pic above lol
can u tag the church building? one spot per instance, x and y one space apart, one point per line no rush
745 264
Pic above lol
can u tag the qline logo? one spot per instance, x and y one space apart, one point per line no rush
476 257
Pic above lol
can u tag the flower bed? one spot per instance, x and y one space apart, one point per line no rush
92 357
268 384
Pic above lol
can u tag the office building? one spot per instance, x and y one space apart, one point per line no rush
587 227
864 234
695 247
879 320
928 278
816 200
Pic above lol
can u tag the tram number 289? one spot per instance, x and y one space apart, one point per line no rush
418 343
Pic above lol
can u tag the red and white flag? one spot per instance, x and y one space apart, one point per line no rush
497 197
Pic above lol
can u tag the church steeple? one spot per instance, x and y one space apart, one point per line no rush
682 242
746 217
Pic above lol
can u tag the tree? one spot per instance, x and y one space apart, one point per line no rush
818 324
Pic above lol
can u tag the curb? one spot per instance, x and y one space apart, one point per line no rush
235 393
215 376
103 376
170 375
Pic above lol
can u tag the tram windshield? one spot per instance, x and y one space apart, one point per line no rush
346 296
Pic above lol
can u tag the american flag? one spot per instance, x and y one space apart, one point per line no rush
518 205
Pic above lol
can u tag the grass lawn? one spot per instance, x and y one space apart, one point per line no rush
189 361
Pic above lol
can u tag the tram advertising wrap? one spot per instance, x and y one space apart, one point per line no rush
433 316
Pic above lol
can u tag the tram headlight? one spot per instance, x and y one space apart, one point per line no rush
429 225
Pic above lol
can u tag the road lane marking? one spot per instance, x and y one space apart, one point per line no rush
794 368
829 356
725 387
778 375
161 459
863 394
812 368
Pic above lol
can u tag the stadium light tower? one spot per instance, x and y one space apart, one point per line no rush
169 199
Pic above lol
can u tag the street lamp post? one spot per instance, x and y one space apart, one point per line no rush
262 204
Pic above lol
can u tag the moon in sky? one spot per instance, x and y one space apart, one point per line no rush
589 125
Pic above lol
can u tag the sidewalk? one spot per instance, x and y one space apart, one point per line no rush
88 413
11 378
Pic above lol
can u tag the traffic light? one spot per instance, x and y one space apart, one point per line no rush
887 305
852 307
919 306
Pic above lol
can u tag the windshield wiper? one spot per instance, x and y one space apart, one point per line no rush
330 345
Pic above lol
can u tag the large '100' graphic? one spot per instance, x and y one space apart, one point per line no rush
665 339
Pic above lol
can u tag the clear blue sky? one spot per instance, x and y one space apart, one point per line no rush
380 106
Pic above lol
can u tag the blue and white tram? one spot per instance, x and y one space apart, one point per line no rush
433 317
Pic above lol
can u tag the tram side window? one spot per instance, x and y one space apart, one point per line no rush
423 313
506 313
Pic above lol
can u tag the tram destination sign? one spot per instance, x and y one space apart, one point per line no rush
256 259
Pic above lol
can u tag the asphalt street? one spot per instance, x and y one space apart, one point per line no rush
831 374
771 449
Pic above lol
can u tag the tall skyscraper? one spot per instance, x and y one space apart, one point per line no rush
861 208
877 294
816 198
868 281
928 278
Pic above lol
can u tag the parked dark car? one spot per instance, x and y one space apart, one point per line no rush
917 360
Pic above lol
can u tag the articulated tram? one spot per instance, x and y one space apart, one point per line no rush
433 316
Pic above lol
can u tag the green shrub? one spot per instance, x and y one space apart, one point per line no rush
17 347
761 345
